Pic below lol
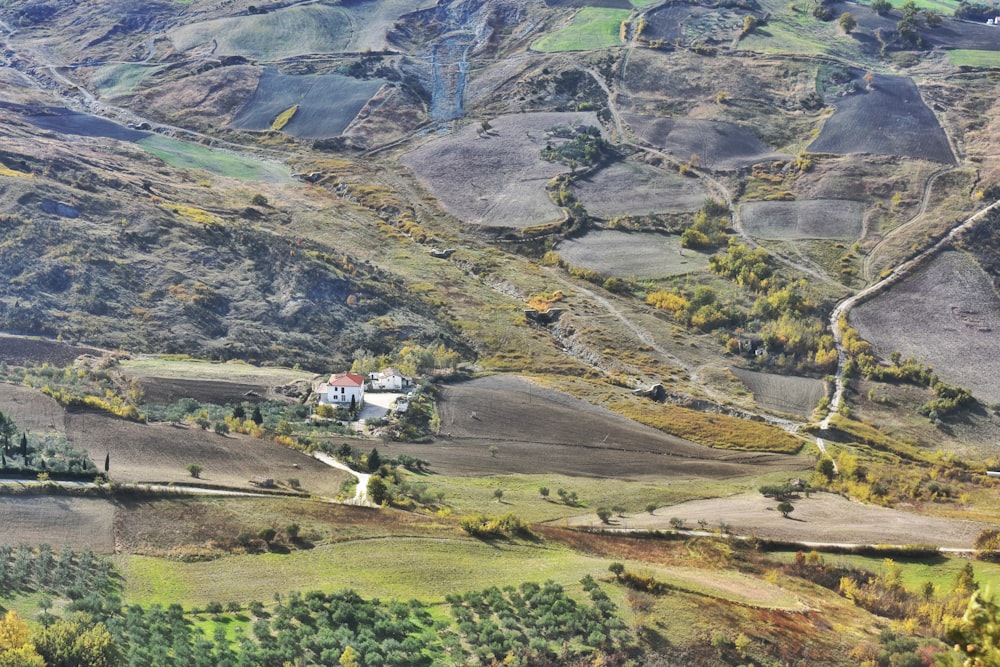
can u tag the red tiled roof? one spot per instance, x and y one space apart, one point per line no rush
346 380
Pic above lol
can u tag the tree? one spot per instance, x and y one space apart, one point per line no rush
543 491
826 468
259 200
220 428
785 508
498 494
16 648
604 514
349 658
881 7
617 569
292 530
378 492
195 470
239 413
354 406
214 608
24 447
256 417
267 534
651 508
374 460
107 462
493 451
847 22
676 523
7 431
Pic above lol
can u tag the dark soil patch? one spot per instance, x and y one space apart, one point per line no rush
65 121
675 23
718 145
17 350
539 430
316 117
888 119
951 34
59 521
164 391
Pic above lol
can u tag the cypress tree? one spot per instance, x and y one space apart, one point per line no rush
107 461
24 446
257 418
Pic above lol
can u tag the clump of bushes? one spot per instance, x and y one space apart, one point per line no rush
485 526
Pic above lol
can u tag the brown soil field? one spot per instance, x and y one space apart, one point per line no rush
59 521
799 220
951 34
17 350
629 188
823 517
681 23
165 526
497 179
947 315
628 254
783 393
719 146
161 452
888 119
538 430
164 391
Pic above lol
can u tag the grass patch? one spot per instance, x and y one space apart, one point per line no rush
193 213
974 58
471 495
233 371
4 171
591 28
115 80
712 430
401 568
192 156
282 118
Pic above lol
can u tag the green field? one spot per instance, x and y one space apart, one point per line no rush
186 155
115 80
591 28
969 58
192 369
400 568
944 7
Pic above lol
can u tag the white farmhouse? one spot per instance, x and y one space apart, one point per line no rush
341 388
388 379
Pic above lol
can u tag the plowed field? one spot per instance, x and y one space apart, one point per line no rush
638 254
718 145
798 220
628 188
497 179
888 119
947 315
539 430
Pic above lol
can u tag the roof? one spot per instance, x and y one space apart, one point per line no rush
389 372
346 380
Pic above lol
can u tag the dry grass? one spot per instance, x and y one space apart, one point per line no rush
714 430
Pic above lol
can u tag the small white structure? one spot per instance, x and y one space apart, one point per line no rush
388 379
341 388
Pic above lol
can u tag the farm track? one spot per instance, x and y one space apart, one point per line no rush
866 264
898 273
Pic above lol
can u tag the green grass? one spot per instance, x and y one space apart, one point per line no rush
940 570
591 28
944 7
468 495
397 567
187 155
972 58
165 367
115 80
